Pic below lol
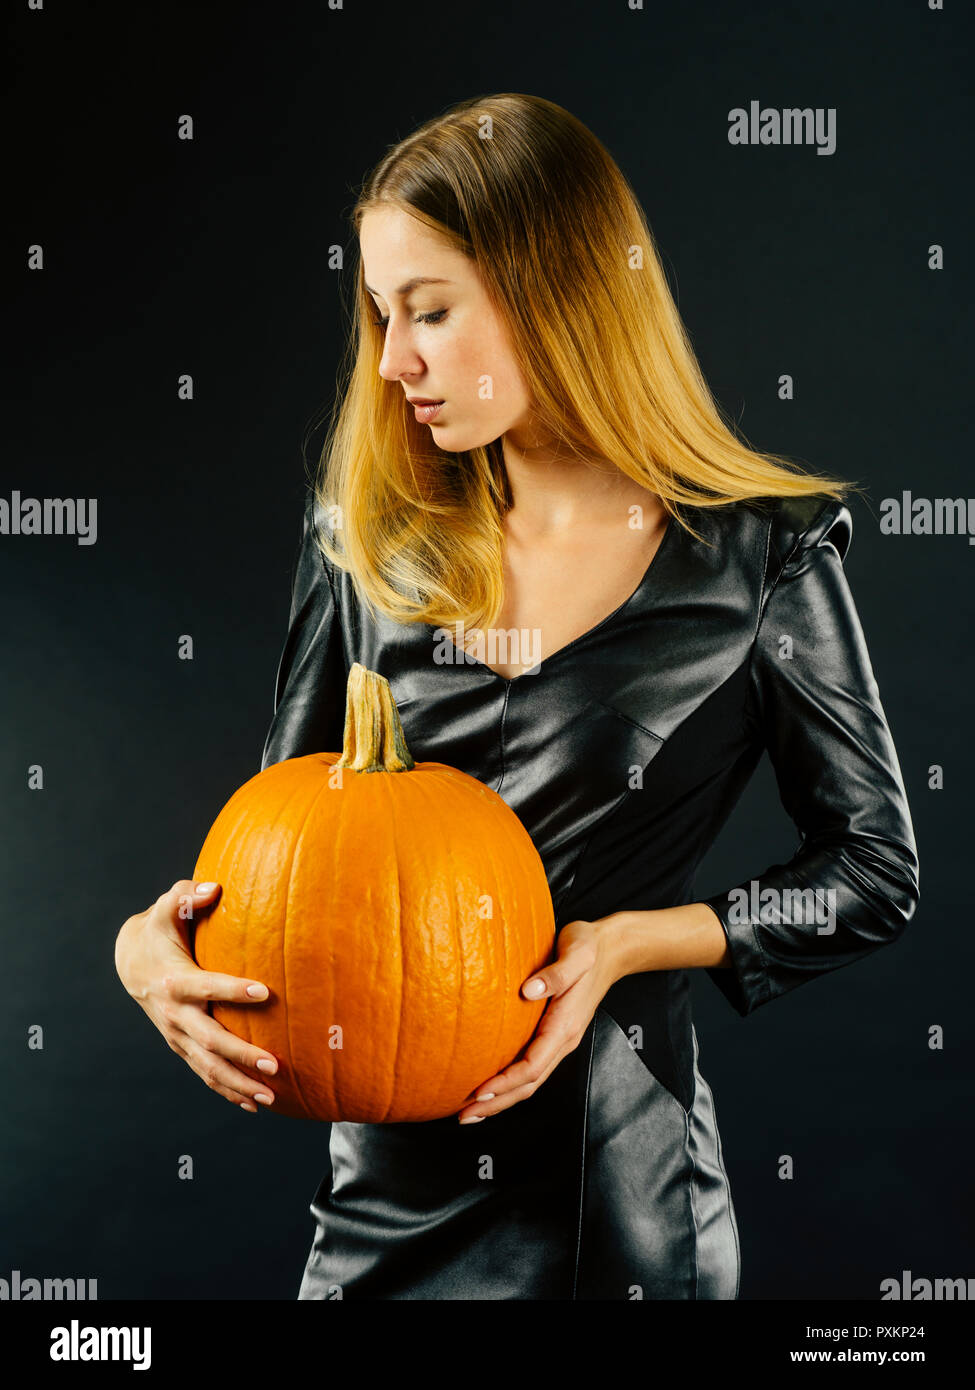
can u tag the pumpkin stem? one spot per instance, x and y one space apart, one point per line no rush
373 739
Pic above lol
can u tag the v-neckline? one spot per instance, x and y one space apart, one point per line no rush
475 664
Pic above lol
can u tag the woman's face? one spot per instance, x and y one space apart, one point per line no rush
443 342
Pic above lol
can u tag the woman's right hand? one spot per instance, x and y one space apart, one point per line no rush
156 966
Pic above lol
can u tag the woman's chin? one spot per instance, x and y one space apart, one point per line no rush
453 440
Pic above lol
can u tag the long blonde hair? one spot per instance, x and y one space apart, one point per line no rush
563 249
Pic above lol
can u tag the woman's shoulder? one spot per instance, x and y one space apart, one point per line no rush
799 523
779 527
320 517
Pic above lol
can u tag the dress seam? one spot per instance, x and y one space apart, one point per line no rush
504 712
688 1147
768 589
764 597
721 1164
584 850
689 1150
582 1170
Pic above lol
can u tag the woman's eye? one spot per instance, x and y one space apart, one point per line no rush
437 316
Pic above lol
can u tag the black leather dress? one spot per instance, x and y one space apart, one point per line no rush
623 754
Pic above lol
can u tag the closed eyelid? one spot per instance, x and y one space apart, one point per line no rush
408 303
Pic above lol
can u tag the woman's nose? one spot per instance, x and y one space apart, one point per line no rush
399 356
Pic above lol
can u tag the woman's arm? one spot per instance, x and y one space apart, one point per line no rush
671 938
818 708
853 884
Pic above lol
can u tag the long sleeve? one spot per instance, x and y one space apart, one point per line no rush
813 700
309 691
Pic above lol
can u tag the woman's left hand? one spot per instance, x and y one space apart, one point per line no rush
589 962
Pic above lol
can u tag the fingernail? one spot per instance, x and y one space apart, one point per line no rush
485 1095
264 1065
252 1108
264 1099
473 1119
205 887
257 991
534 988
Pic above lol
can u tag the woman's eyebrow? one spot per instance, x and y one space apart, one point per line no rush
412 284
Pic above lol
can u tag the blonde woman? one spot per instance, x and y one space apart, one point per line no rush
526 449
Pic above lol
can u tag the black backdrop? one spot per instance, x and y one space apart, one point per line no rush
210 257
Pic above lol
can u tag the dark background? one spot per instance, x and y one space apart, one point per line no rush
211 257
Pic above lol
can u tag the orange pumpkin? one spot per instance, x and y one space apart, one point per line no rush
392 908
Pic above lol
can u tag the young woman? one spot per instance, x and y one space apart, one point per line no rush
674 603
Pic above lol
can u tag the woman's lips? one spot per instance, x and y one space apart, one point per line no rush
426 413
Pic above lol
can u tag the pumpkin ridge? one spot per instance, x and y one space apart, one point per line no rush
493 862
516 832
508 830
237 804
506 1003
459 955
296 846
341 831
464 992
391 820
233 839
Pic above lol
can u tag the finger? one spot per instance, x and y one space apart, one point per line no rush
483 1110
540 1056
214 1037
562 973
563 1022
186 896
196 986
221 1077
182 1047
